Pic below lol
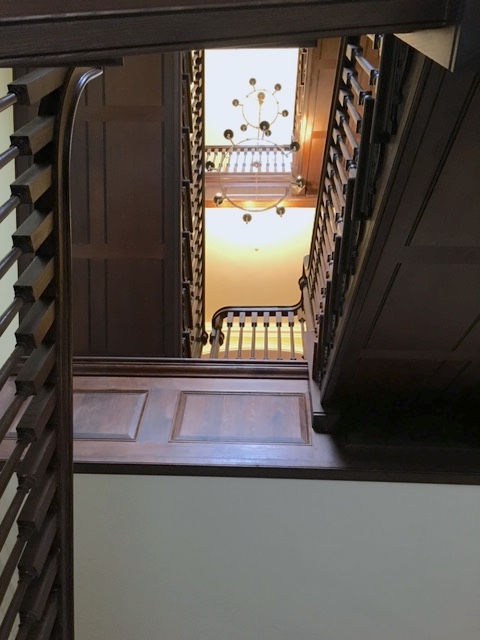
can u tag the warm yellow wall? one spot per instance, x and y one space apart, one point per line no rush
257 263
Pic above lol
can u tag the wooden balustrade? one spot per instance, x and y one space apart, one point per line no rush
249 159
362 119
35 379
258 333
193 297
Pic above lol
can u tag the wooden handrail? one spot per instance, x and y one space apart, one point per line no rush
248 337
222 313
42 454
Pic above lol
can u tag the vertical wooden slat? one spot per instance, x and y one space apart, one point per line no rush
254 320
291 322
266 322
215 344
229 333
241 327
278 317
239 317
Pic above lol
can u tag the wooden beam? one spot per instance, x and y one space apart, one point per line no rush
42 32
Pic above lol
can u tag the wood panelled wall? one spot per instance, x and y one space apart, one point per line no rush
413 324
312 122
125 211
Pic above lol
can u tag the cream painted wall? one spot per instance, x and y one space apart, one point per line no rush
7 227
7 548
177 558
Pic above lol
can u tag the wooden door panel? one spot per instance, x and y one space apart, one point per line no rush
125 204
134 193
135 312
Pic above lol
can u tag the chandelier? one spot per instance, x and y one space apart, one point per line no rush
254 174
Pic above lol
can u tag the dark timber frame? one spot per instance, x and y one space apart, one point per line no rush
40 394
76 31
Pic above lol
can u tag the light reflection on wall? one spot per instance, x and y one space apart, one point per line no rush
258 263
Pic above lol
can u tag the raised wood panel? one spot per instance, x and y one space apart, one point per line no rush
453 193
108 414
97 288
125 210
80 193
80 291
428 307
133 184
324 457
241 418
259 418
378 378
135 307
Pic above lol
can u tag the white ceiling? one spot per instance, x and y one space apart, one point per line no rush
227 75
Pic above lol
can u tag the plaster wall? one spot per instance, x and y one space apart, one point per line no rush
183 558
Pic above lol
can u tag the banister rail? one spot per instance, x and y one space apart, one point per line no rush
258 333
35 426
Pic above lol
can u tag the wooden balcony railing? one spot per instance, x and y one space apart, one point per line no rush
359 126
35 380
249 159
258 333
358 129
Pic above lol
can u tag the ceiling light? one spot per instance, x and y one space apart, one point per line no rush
254 174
